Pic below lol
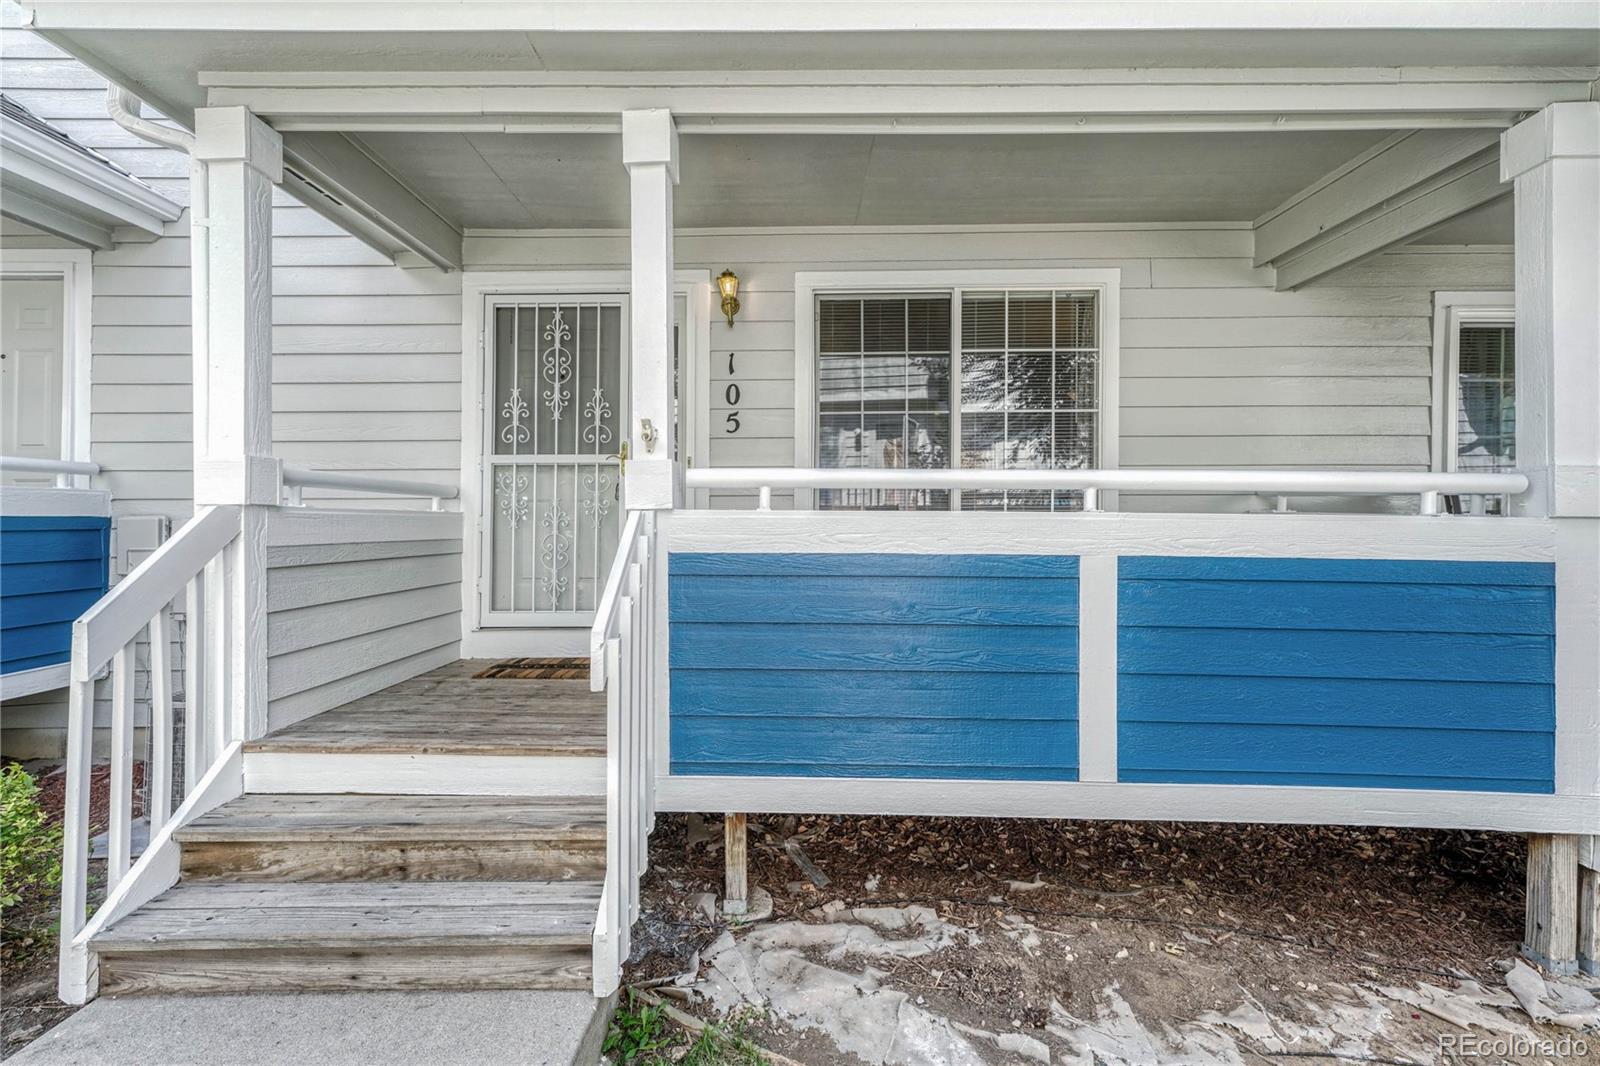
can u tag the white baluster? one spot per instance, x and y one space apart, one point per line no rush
119 847
643 607
216 658
75 827
158 771
619 838
652 688
194 682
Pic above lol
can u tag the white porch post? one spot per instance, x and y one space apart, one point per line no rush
650 152
1554 159
233 464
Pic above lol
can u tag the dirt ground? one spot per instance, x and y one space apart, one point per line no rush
1103 943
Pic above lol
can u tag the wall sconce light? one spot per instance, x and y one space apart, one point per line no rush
728 283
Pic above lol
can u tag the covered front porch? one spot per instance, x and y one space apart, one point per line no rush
1081 444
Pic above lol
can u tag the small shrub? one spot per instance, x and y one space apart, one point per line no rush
30 847
644 1035
639 1033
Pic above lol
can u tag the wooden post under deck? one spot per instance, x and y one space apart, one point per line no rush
1589 921
736 895
1550 936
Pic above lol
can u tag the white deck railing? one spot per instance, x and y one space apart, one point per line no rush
295 479
624 663
191 564
1428 486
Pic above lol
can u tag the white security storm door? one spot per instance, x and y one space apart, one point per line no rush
557 404
32 365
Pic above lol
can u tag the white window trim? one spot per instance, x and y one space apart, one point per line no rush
1452 310
808 285
478 287
75 268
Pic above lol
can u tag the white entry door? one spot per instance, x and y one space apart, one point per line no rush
32 334
557 404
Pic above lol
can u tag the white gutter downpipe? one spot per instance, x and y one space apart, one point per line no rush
124 108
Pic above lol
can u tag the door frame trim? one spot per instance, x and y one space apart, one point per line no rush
477 287
75 268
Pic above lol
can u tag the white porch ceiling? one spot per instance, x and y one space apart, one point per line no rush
560 181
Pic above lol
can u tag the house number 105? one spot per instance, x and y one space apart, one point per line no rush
731 396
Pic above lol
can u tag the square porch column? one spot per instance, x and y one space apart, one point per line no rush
240 159
1554 159
232 218
650 152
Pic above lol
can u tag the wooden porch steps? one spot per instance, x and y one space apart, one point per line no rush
445 832
305 936
348 837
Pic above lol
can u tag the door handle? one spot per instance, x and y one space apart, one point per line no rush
622 465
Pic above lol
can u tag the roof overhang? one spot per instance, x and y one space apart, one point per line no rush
327 74
51 185
717 63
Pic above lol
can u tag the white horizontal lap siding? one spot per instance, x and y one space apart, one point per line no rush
1217 368
357 601
366 361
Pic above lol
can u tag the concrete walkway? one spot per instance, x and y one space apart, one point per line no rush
330 1029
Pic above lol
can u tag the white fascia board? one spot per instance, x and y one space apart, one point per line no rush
21 683
1279 804
69 181
54 220
801 16
1050 101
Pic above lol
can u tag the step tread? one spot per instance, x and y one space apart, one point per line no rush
363 818
353 915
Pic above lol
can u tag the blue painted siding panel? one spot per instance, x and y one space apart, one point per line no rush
1340 673
1320 571
1353 701
52 569
996 601
869 564
809 646
857 694
874 665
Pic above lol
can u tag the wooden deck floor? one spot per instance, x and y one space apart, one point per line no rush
449 711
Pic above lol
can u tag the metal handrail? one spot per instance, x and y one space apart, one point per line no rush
1429 486
295 478
63 469
22 464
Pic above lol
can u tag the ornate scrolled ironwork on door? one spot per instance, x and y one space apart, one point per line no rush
558 397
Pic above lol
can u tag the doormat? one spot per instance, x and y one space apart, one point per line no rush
537 670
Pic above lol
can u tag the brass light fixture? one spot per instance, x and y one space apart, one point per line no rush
728 283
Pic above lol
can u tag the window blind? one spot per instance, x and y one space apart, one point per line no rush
1025 371
1486 385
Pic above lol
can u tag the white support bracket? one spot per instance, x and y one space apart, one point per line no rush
337 177
1391 193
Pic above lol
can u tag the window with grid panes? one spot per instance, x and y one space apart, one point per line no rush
1024 369
883 394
